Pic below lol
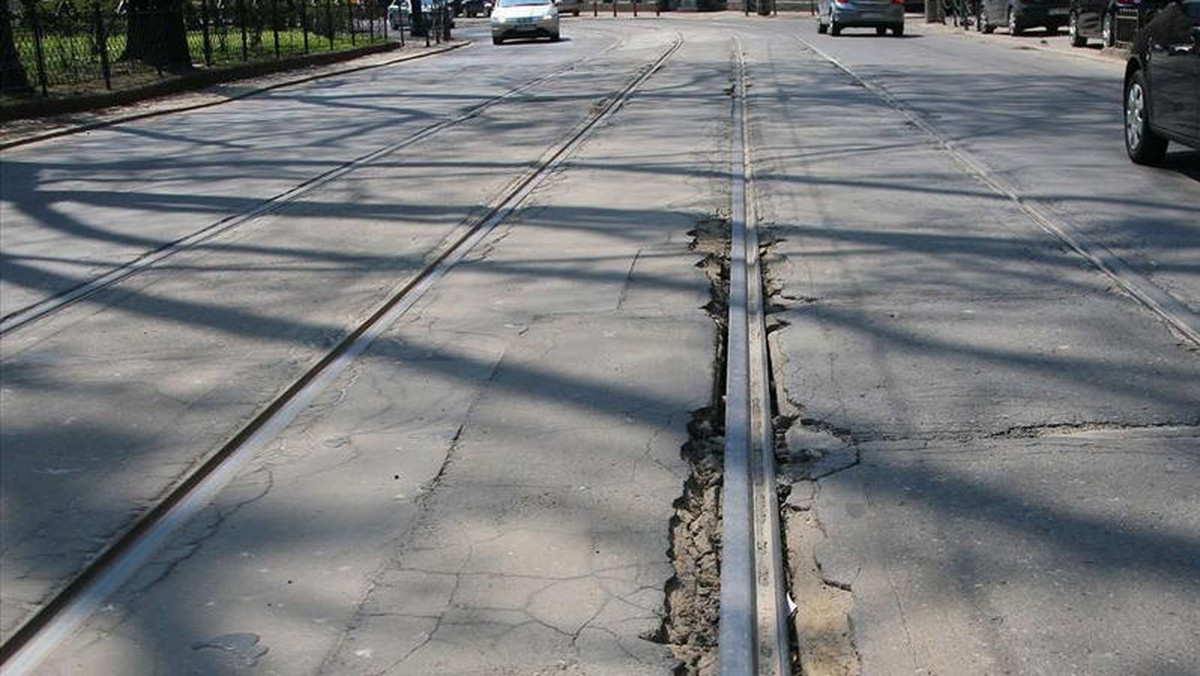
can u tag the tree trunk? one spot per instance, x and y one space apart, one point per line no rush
13 78
156 34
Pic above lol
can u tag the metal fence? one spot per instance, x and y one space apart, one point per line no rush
77 42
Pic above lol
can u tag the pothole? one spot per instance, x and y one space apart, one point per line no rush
692 619
806 450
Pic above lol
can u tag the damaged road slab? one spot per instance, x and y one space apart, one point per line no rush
490 487
1071 553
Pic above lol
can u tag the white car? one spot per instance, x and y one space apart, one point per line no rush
524 19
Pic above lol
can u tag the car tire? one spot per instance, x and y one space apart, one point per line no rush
1052 30
822 28
1077 38
898 30
555 37
1014 27
835 30
575 13
497 41
1141 143
880 30
1108 30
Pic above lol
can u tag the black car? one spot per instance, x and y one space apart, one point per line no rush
1102 20
1021 15
1162 83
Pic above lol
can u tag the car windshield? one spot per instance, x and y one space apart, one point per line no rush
522 3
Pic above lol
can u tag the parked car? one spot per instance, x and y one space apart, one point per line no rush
1021 15
882 15
524 19
1162 83
397 14
573 7
475 8
1097 19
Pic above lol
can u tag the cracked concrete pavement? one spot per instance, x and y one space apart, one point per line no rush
193 347
993 453
1005 449
489 489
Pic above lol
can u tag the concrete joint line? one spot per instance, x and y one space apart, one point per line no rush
121 560
1172 311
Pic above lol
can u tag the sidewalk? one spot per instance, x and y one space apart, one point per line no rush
21 132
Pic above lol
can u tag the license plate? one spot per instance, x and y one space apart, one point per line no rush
525 21
1058 11
873 16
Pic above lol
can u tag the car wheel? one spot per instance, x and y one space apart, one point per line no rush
575 13
1077 39
497 41
1052 30
1142 144
555 37
822 28
880 30
1014 28
1108 32
898 30
979 18
834 29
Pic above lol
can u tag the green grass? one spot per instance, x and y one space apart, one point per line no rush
72 58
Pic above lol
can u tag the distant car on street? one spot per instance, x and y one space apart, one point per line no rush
1021 15
1162 83
573 7
524 19
397 14
1097 19
474 8
882 15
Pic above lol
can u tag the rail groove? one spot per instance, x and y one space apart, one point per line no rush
31 313
754 636
71 607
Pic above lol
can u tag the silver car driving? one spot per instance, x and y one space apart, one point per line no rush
882 15
524 19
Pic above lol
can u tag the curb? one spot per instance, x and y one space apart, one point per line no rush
1118 58
100 124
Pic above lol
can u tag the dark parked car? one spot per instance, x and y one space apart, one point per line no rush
1021 15
1101 19
1162 83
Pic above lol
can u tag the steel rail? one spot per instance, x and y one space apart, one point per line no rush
754 637
71 607
1172 311
22 317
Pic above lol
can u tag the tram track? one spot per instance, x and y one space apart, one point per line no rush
70 607
754 635
1177 315
48 306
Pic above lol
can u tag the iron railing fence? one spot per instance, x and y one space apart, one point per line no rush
78 42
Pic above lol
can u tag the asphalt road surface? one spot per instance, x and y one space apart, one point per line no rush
997 447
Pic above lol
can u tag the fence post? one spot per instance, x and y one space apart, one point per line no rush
241 12
39 55
304 22
595 8
205 21
275 25
101 43
614 8
350 13
635 8
371 18
329 16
